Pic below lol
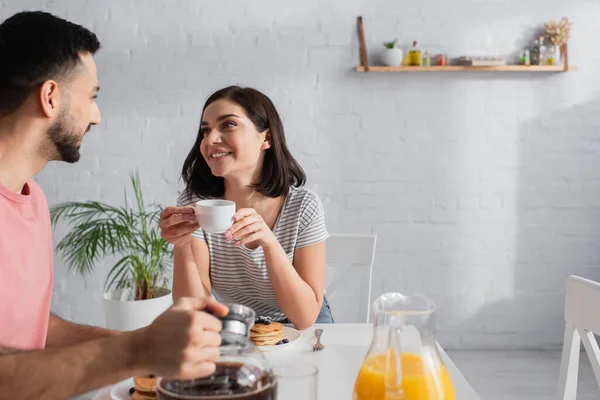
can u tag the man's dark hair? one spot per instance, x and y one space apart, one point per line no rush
36 46
279 171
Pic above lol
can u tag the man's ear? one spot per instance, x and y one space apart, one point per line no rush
49 97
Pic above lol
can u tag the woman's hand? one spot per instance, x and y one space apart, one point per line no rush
250 227
177 224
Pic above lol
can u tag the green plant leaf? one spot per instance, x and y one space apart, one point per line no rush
99 230
390 45
117 272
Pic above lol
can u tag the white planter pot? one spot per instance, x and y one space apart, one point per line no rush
124 314
392 57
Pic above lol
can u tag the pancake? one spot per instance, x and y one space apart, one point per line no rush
266 334
145 383
145 388
267 337
143 396
263 328
269 341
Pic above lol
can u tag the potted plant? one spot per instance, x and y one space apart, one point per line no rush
392 56
136 287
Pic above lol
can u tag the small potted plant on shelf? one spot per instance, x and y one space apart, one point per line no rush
391 55
136 287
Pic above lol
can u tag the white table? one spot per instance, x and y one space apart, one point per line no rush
345 349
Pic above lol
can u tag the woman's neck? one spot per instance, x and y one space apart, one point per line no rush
242 193
239 189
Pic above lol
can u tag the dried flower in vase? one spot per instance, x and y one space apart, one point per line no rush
558 32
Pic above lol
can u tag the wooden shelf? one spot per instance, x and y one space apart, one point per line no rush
463 68
365 67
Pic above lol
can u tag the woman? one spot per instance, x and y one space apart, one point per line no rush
273 257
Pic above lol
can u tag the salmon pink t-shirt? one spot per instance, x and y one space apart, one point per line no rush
26 269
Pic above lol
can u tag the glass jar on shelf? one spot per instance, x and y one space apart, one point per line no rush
442 60
551 56
525 58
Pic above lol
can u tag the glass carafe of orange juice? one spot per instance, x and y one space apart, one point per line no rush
403 362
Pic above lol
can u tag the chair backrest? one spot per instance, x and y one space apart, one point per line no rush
582 320
351 249
582 302
352 253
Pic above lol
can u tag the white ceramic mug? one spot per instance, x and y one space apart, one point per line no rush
215 216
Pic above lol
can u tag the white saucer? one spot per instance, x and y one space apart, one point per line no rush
121 390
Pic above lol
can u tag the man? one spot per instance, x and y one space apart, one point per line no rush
48 87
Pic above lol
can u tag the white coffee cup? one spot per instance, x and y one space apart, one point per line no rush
215 216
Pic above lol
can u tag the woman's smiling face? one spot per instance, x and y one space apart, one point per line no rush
231 143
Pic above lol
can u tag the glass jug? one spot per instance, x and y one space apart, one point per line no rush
242 373
403 362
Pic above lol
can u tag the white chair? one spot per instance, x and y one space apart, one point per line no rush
355 253
582 316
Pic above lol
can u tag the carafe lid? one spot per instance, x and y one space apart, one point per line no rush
239 320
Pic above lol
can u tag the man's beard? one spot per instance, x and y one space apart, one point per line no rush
64 137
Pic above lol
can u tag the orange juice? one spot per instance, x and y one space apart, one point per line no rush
419 382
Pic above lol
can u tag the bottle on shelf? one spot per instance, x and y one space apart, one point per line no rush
535 53
414 56
426 59
543 52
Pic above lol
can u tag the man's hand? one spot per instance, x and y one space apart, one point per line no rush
182 342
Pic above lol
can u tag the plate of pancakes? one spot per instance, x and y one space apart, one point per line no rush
136 388
269 335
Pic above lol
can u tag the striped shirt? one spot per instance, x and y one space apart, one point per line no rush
239 275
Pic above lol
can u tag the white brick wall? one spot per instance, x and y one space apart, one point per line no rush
483 188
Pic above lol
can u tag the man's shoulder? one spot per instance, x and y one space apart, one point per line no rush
35 187
36 192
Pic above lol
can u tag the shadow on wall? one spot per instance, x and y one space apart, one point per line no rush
557 232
